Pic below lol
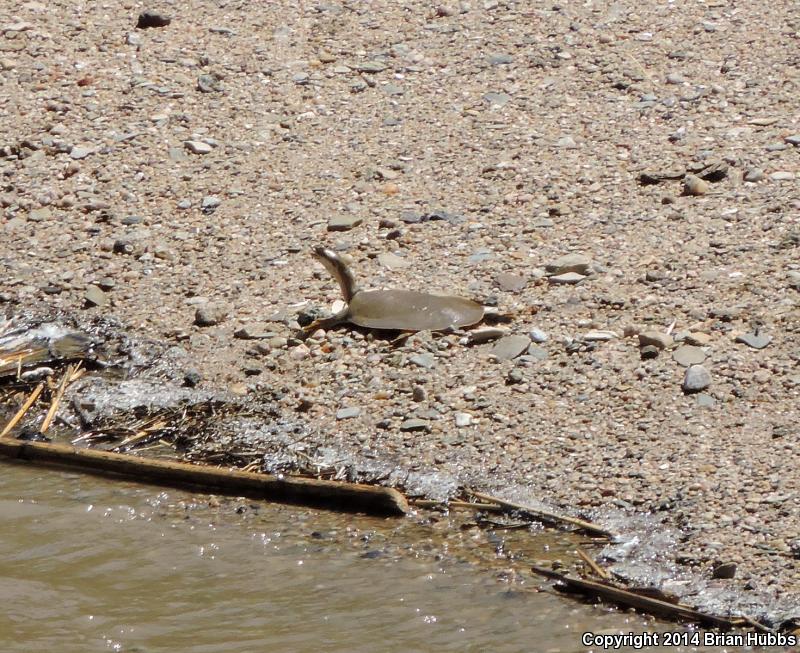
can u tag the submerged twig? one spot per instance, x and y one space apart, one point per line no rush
23 409
62 386
597 569
546 515
646 604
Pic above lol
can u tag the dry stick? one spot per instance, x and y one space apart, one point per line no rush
583 525
597 569
62 386
351 497
429 503
24 409
646 604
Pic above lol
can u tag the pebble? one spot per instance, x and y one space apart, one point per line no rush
755 340
344 222
567 143
687 355
414 424
208 84
209 315
299 353
510 282
40 215
370 67
697 338
498 100
209 203
418 393
392 261
197 147
794 139
510 347
427 361
782 175
81 152
675 78
578 263
537 335
537 353
599 335
150 18
753 175
724 570
793 277
569 278
705 400
500 59
348 413
94 296
485 334
697 378
693 185
462 419
106 283
649 352
252 369
278 342
253 332
655 339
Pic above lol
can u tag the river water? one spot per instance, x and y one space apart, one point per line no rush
88 565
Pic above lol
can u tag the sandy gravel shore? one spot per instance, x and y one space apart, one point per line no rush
177 177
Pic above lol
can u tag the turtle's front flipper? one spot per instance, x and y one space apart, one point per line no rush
326 322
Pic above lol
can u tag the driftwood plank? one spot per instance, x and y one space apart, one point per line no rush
304 491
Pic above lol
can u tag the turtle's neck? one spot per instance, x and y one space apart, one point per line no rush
339 271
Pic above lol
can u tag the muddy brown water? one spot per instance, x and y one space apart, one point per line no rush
89 564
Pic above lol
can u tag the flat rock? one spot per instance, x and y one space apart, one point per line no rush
415 424
485 334
197 147
426 361
348 413
656 339
687 355
537 335
578 263
600 335
697 338
510 347
510 282
392 261
94 296
697 378
253 332
755 340
81 152
371 67
568 278
344 222
40 215
462 419
782 175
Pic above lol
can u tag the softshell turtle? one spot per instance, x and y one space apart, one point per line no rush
395 310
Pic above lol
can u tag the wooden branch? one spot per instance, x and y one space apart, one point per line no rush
597 569
23 409
646 604
545 515
62 386
452 505
350 497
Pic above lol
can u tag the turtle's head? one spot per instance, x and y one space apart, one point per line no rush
338 270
